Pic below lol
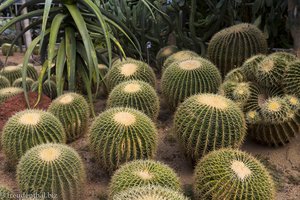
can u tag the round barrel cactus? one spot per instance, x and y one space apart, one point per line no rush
164 53
11 73
129 70
5 47
236 75
5 193
207 122
18 83
250 66
149 192
52 169
27 129
31 71
121 134
4 82
186 78
8 92
286 56
143 173
291 80
135 94
48 88
73 112
230 47
232 174
179 56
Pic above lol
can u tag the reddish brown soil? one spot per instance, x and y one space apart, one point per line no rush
18 103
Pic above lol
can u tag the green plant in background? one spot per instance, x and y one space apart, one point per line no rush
11 73
73 112
232 174
48 88
119 135
31 71
18 83
5 193
143 173
208 122
4 82
53 169
8 92
149 192
27 129
5 48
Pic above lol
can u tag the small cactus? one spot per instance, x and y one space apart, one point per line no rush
291 80
4 82
164 53
8 92
230 47
179 56
149 192
250 66
11 73
48 88
143 173
236 75
129 70
207 122
53 169
186 78
232 174
135 94
5 49
73 112
31 71
27 129
5 193
19 83
121 134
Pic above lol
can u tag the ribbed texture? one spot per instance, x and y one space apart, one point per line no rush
291 80
179 56
63 176
5 193
164 53
215 177
31 71
11 73
18 83
4 82
48 88
230 47
251 65
8 92
236 75
5 49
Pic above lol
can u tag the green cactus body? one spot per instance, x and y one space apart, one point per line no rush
52 168
4 82
291 80
179 56
119 135
118 60
27 129
149 193
250 66
18 83
286 56
230 47
232 174
189 77
164 53
129 70
11 73
36 50
73 112
135 94
48 88
8 92
5 50
5 193
31 71
143 173
236 75
207 122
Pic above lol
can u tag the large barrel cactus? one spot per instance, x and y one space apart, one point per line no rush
142 173
73 112
27 129
54 169
179 56
19 83
4 82
121 134
164 53
291 80
31 71
250 66
236 75
5 193
129 70
135 94
232 174
207 122
8 92
186 78
11 73
230 47
149 193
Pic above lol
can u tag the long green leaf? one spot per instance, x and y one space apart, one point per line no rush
59 67
6 4
71 56
47 8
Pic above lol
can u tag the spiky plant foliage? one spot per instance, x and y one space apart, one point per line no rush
135 94
179 56
118 60
4 82
250 66
31 71
164 53
143 173
27 129
73 112
5 47
271 70
18 83
291 80
232 174
48 88
11 73
53 169
230 47
5 193
286 56
236 75
149 192
8 92
129 70
207 122
120 135
186 78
